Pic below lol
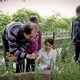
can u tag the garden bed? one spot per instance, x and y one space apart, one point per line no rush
45 75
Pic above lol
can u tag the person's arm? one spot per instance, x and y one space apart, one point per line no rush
13 46
72 31
53 59
7 54
39 58
49 66
39 40
10 56
4 43
39 61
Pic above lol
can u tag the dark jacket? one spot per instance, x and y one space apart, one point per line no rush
75 35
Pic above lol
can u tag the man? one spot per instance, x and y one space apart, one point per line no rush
16 38
75 36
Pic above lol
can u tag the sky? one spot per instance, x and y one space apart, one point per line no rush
44 7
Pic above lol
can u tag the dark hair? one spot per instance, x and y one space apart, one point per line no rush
78 9
33 19
50 40
27 28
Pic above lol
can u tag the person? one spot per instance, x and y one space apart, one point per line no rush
75 34
34 47
47 56
16 37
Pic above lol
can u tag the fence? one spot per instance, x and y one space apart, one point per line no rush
58 37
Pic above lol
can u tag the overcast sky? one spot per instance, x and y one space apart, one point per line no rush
43 7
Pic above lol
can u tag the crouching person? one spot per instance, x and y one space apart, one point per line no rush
47 56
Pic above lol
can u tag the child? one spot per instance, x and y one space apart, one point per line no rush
47 56
33 48
75 36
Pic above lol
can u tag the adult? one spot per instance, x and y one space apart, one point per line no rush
16 37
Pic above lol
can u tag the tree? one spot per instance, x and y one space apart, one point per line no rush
3 0
4 20
23 15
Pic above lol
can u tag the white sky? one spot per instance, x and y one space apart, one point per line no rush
43 7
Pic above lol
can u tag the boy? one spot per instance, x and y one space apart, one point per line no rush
33 48
47 56
75 35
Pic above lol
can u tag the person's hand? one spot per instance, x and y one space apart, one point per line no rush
73 42
49 66
11 57
28 56
39 60
31 56
8 54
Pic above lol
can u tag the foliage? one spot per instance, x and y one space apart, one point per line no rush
10 74
3 0
23 15
2 68
53 23
67 51
67 68
4 19
68 72
7 71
